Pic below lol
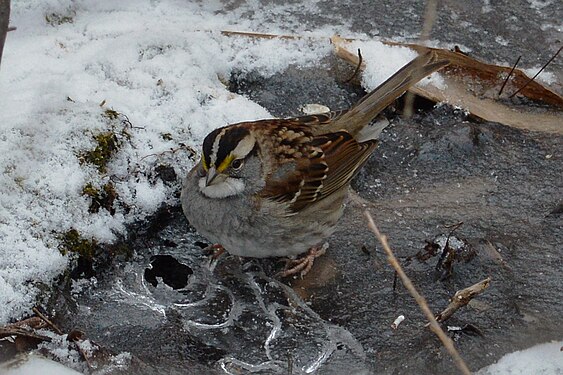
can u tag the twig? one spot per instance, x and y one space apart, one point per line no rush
4 23
46 320
448 255
289 363
538 73
429 18
509 75
259 35
448 344
358 67
453 227
462 298
22 332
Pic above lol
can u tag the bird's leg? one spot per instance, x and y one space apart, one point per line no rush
215 250
303 265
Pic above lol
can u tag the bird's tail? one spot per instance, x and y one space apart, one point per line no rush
361 114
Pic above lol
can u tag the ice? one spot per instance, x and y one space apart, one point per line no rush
162 66
268 326
250 321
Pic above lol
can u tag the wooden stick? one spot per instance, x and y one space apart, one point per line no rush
448 343
462 298
4 23
259 35
46 320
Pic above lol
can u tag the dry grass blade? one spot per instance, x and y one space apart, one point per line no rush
46 320
448 344
537 74
509 75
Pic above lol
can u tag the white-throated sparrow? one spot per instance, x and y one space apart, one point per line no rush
276 187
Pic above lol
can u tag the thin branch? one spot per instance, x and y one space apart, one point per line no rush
429 19
462 298
358 67
538 73
4 23
448 344
509 75
259 35
46 320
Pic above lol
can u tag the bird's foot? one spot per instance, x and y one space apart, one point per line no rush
214 251
303 265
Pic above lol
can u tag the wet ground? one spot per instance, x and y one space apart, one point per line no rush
431 171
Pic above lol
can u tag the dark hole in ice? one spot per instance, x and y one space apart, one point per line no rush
173 273
83 269
201 244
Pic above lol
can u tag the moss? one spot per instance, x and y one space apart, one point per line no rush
101 198
110 114
166 136
107 144
72 242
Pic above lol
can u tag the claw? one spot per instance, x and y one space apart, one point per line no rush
304 264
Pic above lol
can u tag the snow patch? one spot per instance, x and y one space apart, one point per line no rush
542 359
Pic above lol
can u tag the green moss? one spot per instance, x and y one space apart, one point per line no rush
101 198
110 114
107 144
72 242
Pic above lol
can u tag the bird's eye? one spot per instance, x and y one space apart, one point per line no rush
236 164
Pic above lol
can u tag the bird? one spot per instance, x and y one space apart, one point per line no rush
277 187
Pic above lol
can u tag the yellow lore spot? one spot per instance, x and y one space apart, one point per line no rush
225 163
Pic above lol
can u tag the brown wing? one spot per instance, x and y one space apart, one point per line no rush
318 120
327 164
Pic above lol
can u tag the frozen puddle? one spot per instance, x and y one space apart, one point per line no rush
257 320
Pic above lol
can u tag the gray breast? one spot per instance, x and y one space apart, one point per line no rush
246 229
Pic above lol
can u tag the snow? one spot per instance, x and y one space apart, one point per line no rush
383 60
548 78
37 364
542 359
162 66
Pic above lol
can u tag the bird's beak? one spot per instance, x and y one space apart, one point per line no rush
211 174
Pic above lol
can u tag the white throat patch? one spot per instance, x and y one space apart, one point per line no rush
223 189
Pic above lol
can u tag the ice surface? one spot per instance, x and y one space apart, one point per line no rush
257 322
162 66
